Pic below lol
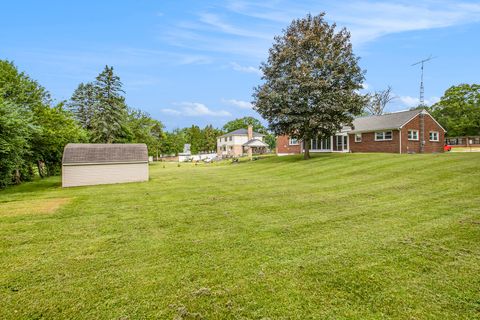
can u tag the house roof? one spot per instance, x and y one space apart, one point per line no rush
241 132
93 153
386 121
255 143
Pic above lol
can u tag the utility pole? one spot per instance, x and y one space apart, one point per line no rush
422 89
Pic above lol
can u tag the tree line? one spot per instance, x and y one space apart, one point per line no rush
34 129
311 88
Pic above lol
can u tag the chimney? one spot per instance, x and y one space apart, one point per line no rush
250 132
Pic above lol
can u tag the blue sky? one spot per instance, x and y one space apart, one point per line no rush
196 62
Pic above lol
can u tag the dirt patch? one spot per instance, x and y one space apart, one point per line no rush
35 206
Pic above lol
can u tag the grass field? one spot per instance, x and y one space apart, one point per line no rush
341 236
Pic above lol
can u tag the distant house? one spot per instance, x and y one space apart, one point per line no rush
414 131
240 142
91 164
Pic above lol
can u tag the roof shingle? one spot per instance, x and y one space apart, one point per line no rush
78 153
385 121
241 132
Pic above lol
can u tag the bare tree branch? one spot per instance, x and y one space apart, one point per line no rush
379 100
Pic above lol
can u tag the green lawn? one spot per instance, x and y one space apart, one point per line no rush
341 236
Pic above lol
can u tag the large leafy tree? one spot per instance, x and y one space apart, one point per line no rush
42 130
458 111
209 138
312 78
144 129
194 137
243 123
21 90
16 131
57 128
173 142
110 116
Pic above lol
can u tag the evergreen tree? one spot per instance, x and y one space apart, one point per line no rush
110 115
83 103
312 80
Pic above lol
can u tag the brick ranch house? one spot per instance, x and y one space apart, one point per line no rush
414 131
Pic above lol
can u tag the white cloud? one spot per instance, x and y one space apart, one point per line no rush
238 103
195 109
213 20
248 69
367 20
410 101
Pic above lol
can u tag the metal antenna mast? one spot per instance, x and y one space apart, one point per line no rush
422 89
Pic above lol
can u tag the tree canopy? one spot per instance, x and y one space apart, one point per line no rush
458 111
311 81
33 132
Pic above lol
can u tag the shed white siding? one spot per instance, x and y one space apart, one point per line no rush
93 174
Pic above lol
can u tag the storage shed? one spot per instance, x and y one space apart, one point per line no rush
91 164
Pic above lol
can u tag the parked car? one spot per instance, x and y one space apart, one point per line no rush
447 147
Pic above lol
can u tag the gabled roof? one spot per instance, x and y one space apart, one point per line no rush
255 143
93 153
386 121
241 132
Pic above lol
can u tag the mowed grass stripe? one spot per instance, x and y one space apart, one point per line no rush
339 236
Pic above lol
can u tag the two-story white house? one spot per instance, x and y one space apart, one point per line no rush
240 142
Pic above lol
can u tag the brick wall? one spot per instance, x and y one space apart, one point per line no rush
430 146
369 144
284 147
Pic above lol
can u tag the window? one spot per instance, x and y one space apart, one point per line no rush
320 144
433 135
413 135
230 138
293 142
358 137
383 135
225 139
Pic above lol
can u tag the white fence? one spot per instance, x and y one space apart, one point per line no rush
196 157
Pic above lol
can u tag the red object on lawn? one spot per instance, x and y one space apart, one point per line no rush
447 148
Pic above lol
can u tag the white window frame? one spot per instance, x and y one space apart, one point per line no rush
412 138
358 137
436 133
293 142
383 135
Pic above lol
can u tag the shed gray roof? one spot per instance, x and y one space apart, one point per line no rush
386 121
81 153
241 132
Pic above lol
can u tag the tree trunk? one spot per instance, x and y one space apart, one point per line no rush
41 168
306 149
17 178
